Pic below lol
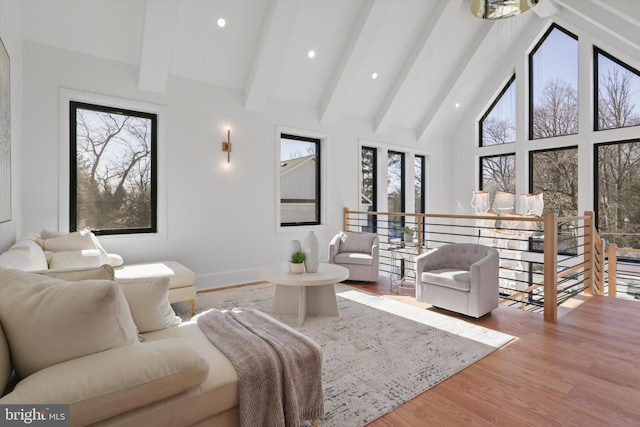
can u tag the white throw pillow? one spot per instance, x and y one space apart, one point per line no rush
356 242
74 259
76 241
48 321
149 303
34 251
104 272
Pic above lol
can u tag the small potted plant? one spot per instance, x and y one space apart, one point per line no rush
296 262
408 234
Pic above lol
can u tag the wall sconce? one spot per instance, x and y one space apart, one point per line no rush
226 146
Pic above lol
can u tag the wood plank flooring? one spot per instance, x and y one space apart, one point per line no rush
583 370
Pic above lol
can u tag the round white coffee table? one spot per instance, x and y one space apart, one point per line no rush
306 293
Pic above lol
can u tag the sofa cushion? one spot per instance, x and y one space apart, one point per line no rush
149 303
356 242
74 259
101 385
103 272
449 278
48 321
5 361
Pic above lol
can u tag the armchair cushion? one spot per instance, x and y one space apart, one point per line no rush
356 242
449 277
353 258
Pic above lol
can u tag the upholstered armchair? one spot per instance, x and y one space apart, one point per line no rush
357 252
459 277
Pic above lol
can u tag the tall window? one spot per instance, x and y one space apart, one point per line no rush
112 169
299 180
617 89
555 172
498 173
617 184
396 191
369 186
553 85
498 125
419 183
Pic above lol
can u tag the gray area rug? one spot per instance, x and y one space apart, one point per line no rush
378 354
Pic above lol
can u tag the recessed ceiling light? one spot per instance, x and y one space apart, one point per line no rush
374 76
311 53
457 105
221 22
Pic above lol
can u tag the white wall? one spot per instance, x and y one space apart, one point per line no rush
221 222
10 33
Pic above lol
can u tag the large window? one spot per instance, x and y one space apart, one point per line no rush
617 89
553 85
112 169
369 186
617 184
396 191
498 173
555 173
498 125
299 180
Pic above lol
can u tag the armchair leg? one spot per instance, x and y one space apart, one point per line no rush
315 423
193 306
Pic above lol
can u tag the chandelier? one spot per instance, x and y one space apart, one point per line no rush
498 9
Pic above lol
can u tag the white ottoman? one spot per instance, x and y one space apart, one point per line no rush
181 279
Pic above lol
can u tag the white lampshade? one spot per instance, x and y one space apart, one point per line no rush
532 204
480 202
504 202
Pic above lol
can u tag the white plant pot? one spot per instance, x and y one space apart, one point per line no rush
296 268
408 238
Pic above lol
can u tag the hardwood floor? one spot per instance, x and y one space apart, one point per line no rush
583 370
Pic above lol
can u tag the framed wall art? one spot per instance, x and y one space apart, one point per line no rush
5 135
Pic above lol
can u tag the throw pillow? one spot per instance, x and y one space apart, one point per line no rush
356 242
74 259
149 303
48 321
76 241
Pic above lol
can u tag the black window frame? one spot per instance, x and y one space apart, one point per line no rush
596 85
490 109
318 210
596 179
372 223
73 193
530 60
481 169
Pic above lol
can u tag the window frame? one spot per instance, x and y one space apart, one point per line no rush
372 222
73 184
481 169
596 179
537 46
321 173
489 110
68 95
596 85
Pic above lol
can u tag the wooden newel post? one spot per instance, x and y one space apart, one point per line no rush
345 219
613 268
551 266
589 259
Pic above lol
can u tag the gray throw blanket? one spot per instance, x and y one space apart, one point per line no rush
279 372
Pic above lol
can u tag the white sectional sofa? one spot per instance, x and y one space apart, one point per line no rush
114 351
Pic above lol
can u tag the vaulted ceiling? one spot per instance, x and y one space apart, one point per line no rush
429 55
